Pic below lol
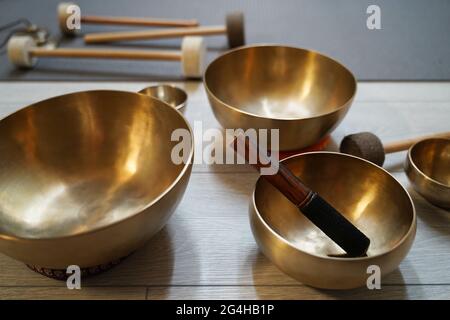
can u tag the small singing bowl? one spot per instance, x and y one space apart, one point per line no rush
87 178
428 169
302 93
173 96
366 194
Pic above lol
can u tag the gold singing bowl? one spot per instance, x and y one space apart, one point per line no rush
302 93
366 194
87 178
173 96
428 168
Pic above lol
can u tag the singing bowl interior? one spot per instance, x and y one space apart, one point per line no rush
173 96
79 162
428 168
302 93
367 195
279 82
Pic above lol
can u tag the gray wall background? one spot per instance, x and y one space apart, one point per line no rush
414 43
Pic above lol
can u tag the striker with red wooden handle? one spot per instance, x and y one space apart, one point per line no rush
314 207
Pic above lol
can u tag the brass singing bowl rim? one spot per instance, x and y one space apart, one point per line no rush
339 259
181 103
270 45
10 237
416 168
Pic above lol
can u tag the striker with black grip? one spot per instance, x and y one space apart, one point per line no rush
314 207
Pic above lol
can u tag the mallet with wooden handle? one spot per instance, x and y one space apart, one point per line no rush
368 146
314 207
64 13
234 29
23 52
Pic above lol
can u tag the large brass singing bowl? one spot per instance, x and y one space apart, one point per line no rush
87 178
428 169
302 93
366 194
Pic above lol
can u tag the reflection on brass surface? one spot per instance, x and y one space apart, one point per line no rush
301 92
366 194
171 95
428 169
87 177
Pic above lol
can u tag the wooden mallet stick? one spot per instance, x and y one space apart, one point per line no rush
368 146
23 52
234 29
64 13
314 207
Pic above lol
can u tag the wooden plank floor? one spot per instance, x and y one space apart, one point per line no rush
207 250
